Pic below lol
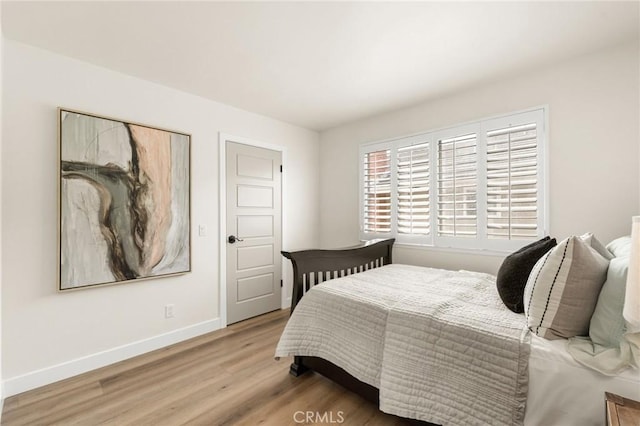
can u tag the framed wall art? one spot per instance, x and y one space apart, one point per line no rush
124 201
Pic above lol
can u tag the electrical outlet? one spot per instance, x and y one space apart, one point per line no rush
169 311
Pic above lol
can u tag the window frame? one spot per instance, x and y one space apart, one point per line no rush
481 242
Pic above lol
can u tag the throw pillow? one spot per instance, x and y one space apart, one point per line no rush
563 288
514 272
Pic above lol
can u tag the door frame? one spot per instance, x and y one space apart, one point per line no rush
223 138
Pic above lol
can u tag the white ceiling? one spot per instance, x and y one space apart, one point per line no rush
318 65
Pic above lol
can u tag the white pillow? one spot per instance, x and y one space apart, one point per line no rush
591 239
563 288
620 246
607 323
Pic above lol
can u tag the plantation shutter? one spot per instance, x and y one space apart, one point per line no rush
377 192
512 182
413 185
479 185
457 183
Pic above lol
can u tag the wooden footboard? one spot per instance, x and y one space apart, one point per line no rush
311 267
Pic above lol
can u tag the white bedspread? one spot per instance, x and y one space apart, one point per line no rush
439 345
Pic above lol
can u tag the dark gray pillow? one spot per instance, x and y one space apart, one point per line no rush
514 272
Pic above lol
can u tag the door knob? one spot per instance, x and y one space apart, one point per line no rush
232 239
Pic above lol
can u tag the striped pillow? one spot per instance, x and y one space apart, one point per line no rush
563 288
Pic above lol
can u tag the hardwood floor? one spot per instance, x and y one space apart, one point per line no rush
228 377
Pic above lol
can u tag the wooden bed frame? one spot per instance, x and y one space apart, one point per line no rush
311 267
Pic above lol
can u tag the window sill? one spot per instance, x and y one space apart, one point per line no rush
453 250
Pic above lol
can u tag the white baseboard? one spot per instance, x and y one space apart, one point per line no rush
45 376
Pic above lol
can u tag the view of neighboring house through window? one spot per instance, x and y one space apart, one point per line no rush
478 185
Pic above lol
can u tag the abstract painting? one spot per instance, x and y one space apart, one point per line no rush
124 201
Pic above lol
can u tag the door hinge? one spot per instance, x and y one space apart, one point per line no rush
280 168
280 283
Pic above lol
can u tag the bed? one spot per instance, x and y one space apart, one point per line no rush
543 384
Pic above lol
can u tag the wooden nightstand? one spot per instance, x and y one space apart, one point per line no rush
621 411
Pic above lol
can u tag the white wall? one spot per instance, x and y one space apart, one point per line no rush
1 345
594 135
47 334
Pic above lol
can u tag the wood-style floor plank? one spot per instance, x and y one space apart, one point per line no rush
228 377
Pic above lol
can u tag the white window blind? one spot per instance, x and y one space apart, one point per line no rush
512 182
477 185
458 186
413 185
377 192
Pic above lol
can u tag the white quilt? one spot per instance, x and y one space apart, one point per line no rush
439 345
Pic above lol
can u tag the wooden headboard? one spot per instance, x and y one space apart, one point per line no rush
311 267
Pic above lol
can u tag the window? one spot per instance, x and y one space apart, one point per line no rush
412 190
377 192
458 186
477 186
512 170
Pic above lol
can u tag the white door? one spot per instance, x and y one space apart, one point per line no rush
253 231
